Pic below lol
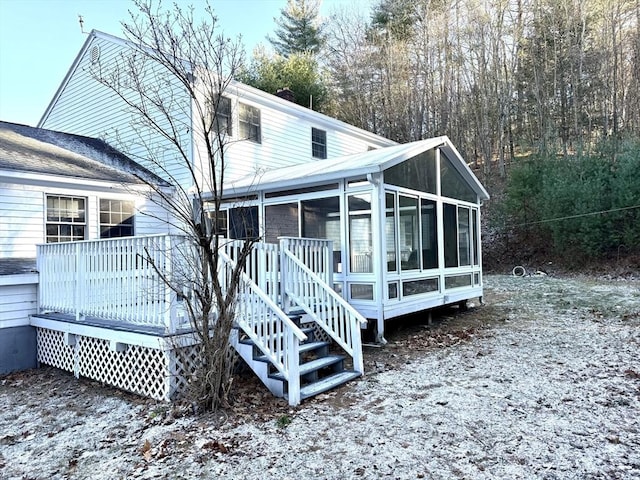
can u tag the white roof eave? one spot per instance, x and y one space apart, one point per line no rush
360 164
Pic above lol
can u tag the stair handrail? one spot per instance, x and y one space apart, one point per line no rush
256 317
338 319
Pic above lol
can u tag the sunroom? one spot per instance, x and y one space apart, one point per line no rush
404 222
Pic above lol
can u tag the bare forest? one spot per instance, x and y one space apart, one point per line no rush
541 97
500 77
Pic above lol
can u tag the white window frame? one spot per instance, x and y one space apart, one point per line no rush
116 213
318 145
249 122
75 218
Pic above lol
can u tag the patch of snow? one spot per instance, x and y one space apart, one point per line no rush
543 381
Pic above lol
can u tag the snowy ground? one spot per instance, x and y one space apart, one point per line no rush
541 382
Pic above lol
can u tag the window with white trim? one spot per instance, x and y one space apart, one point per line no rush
66 218
249 122
116 218
222 123
318 143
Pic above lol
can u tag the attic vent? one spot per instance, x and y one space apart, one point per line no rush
95 54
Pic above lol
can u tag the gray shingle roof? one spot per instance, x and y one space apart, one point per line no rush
47 152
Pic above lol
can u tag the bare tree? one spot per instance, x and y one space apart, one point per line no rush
172 77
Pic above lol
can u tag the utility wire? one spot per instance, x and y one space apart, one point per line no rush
573 216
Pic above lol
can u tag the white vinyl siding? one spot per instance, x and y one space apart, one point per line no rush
23 216
21 221
85 107
17 301
284 141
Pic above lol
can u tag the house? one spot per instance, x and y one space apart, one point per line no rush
58 187
354 230
264 131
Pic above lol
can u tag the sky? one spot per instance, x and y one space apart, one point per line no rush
40 39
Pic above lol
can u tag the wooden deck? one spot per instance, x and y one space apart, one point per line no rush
105 312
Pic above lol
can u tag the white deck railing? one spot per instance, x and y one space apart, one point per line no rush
109 279
121 280
262 265
315 295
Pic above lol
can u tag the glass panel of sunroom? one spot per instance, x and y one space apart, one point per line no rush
417 173
450 235
453 185
416 287
321 219
409 233
390 232
429 234
457 281
243 223
360 238
475 239
464 237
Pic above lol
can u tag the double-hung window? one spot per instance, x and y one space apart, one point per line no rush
318 143
222 122
66 218
249 122
116 218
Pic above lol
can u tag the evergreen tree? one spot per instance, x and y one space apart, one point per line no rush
299 29
394 18
299 72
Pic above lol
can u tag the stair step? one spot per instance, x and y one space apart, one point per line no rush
304 348
327 383
312 366
296 312
248 341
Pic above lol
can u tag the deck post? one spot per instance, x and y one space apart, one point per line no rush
79 280
171 298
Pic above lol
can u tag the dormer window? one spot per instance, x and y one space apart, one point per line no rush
318 143
249 122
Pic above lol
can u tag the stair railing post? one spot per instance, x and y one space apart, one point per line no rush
329 263
293 368
356 342
284 247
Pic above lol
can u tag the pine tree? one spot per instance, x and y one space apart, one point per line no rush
299 29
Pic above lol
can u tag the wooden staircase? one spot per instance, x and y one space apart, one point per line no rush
319 370
296 333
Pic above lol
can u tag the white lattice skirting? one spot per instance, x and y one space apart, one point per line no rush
151 372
